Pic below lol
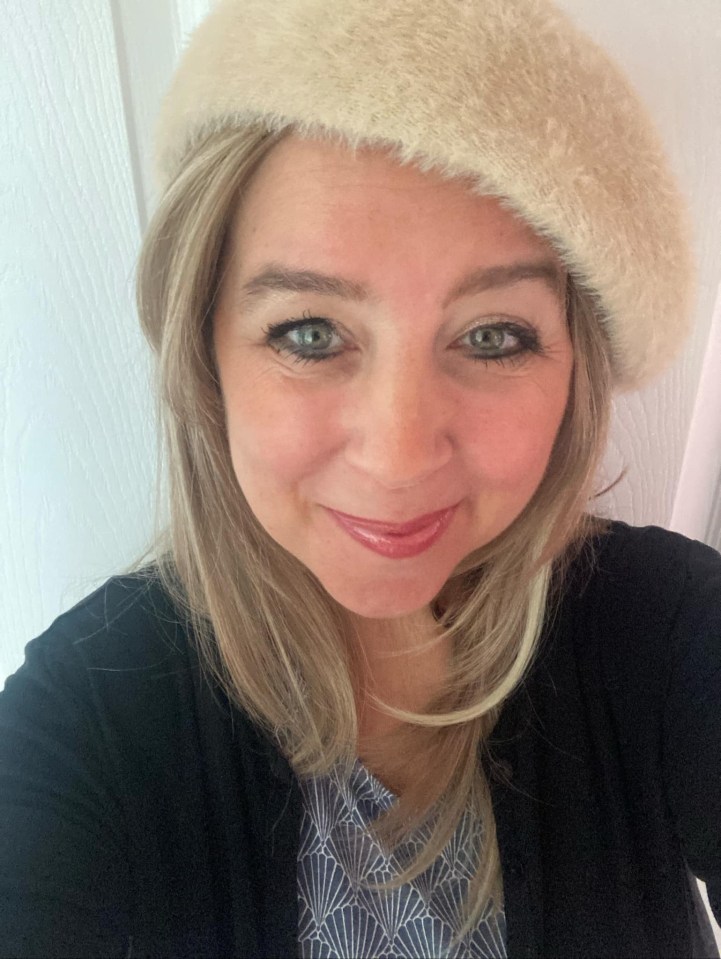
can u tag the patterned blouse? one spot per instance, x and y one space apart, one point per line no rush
339 919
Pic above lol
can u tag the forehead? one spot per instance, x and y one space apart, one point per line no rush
313 198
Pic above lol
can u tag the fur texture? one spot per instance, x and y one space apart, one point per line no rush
509 92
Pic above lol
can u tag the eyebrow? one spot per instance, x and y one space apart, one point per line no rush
275 278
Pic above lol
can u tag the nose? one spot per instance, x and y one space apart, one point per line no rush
399 429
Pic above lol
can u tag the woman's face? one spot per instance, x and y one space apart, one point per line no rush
377 370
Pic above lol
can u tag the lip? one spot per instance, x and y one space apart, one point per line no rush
396 540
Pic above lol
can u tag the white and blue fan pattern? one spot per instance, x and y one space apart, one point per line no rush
341 919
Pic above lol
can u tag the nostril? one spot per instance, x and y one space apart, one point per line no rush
398 431
399 465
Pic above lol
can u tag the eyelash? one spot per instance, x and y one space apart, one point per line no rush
275 333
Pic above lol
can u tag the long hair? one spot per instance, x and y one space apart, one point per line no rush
268 632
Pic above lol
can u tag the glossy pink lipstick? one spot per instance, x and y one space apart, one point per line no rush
397 540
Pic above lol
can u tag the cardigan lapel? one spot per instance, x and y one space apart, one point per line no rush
277 816
277 820
512 780
275 811
255 811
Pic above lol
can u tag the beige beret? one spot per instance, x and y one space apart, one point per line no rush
509 92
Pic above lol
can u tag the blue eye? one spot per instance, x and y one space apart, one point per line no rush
305 339
309 339
487 343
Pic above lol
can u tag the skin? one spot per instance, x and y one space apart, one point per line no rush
404 420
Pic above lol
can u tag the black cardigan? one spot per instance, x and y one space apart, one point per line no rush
140 814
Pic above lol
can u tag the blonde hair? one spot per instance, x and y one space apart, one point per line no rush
267 630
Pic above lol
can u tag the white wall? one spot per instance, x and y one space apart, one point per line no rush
79 88
81 84
670 434
76 426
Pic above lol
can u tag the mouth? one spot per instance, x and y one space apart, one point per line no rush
397 540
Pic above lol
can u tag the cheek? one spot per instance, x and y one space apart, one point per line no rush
510 445
277 435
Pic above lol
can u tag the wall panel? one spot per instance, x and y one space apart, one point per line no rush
77 436
672 53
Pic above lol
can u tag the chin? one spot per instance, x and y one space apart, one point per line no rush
386 600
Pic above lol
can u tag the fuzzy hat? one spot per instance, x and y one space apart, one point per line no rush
508 92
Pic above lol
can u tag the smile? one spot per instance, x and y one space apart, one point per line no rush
397 540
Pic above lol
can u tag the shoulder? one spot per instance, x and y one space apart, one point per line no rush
124 646
134 607
627 543
642 565
639 548
640 601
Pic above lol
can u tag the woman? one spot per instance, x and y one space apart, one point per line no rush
387 686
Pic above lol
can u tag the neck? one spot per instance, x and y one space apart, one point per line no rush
404 662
